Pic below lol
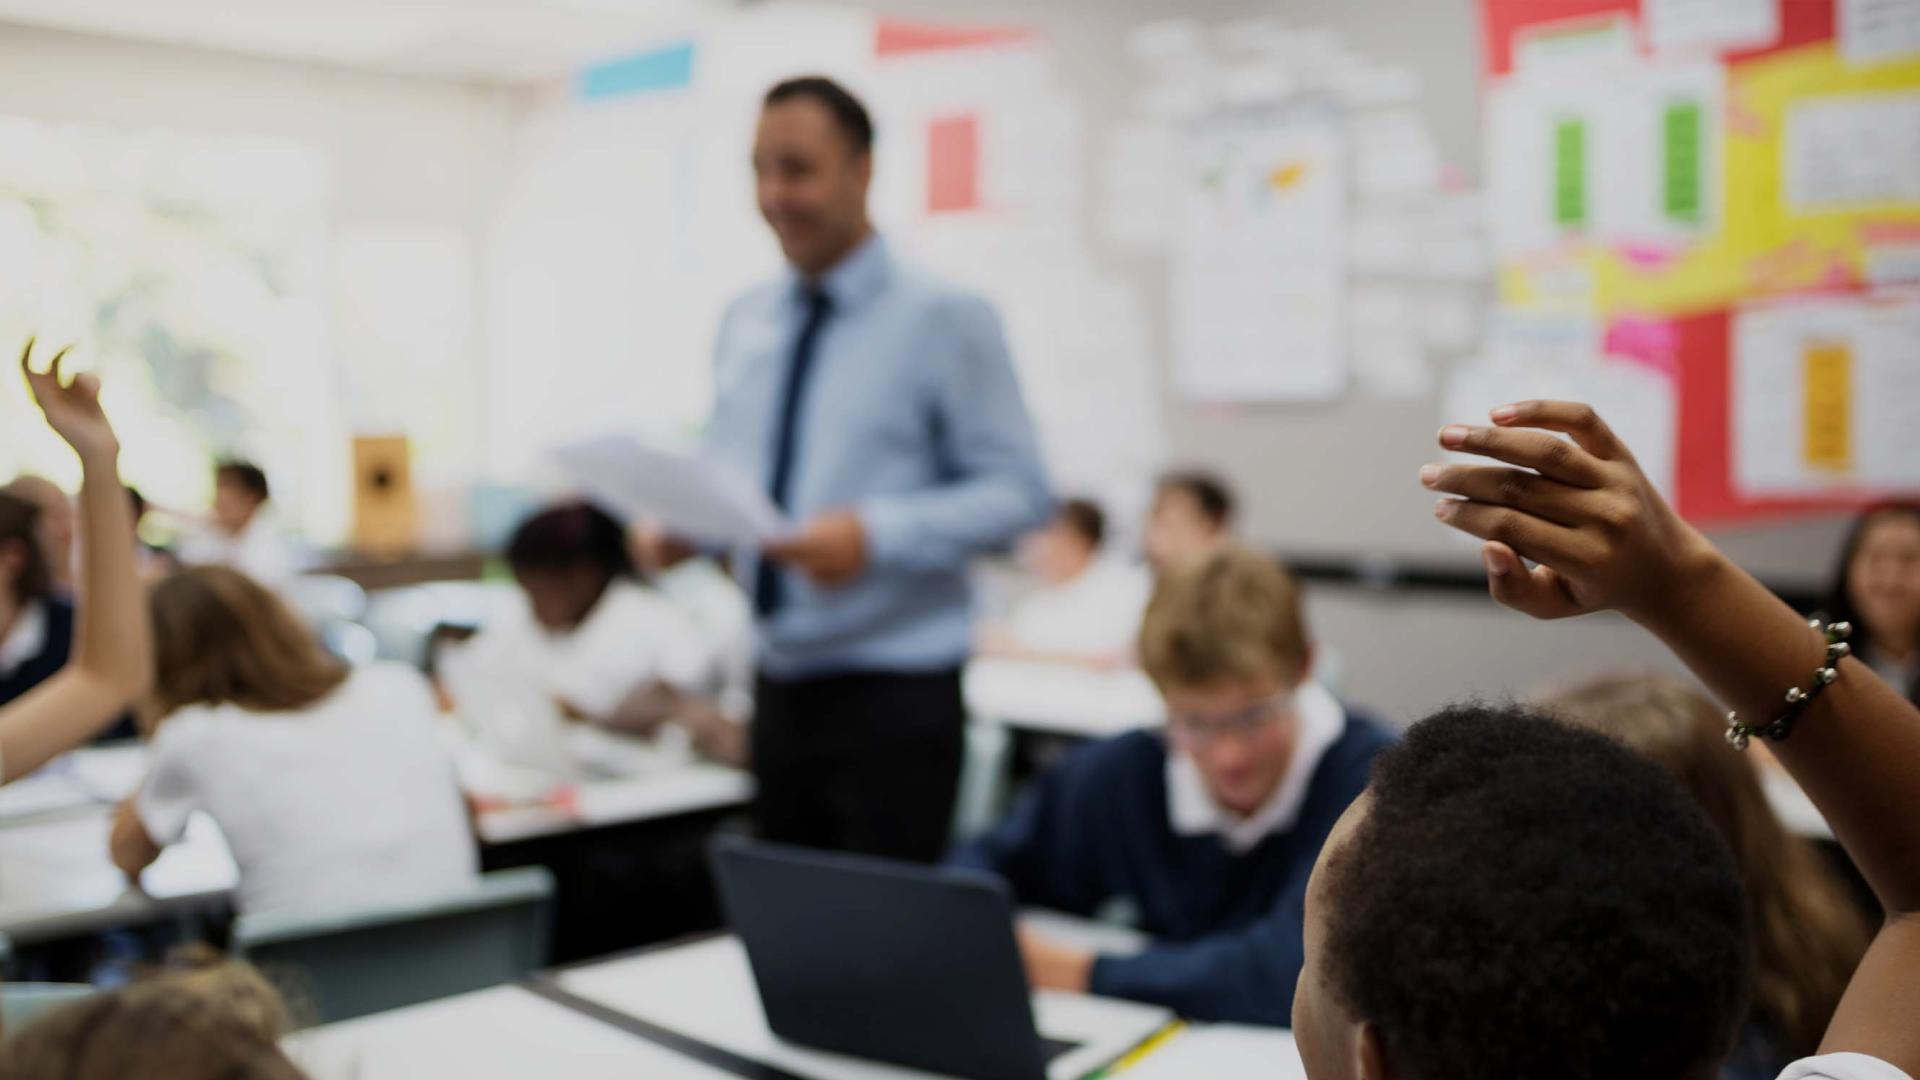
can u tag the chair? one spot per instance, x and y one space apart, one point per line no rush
337 965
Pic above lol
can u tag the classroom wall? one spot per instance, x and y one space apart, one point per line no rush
1339 481
413 171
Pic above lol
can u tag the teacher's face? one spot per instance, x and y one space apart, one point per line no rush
812 183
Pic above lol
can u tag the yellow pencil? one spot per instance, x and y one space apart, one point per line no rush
1146 1046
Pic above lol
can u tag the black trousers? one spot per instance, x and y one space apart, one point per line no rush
868 763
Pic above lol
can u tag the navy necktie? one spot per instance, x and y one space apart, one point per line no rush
767 582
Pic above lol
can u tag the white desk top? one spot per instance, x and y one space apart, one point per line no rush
56 879
505 1033
1059 699
687 789
705 990
1209 1050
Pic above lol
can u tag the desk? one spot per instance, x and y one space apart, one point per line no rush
694 788
704 990
1059 699
634 1016
57 881
506 1033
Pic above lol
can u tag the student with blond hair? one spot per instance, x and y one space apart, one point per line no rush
1206 832
327 781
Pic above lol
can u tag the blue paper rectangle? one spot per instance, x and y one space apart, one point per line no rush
669 68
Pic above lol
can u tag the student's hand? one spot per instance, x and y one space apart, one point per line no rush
832 549
71 406
1055 967
132 849
1601 534
715 735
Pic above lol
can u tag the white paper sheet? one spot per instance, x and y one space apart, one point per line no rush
694 497
1223 1050
1853 150
1702 25
1260 264
1876 31
1826 397
1394 153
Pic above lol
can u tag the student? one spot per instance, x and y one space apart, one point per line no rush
1808 934
1208 831
328 782
1191 516
1085 609
592 638
243 534
1876 587
200 1018
112 661
36 626
1519 898
55 531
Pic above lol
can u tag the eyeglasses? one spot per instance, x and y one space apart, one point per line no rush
1239 723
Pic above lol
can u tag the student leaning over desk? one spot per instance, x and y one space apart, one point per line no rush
1207 832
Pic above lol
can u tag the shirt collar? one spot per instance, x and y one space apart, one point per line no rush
1193 812
26 639
855 278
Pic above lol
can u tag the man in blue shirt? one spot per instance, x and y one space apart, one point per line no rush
1204 836
880 408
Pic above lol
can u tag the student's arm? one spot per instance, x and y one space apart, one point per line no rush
112 658
1245 977
998 487
1604 538
132 849
1043 849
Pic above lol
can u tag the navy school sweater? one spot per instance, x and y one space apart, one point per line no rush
1227 927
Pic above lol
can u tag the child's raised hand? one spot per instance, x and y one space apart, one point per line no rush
72 407
1601 534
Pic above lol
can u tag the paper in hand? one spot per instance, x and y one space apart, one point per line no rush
699 499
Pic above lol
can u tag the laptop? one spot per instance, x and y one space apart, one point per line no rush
902 963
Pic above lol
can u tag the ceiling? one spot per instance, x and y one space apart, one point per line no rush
482 40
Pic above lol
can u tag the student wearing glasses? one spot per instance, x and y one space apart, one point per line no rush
1205 835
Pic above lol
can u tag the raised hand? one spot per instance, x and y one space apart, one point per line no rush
71 406
1600 532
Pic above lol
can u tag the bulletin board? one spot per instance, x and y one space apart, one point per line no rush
1729 192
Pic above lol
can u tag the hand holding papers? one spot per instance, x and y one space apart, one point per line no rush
696 498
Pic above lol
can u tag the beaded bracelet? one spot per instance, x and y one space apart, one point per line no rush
1777 729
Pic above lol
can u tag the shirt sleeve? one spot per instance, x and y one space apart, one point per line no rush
170 794
996 486
1039 849
1843 1067
1244 977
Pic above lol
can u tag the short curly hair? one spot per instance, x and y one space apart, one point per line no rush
1534 902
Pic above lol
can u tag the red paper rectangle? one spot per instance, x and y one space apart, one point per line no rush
953 164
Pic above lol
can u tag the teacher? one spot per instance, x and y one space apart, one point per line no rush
879 407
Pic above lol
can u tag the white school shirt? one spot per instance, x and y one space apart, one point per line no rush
1843 1067
1098 611
260 551
631 637
347 803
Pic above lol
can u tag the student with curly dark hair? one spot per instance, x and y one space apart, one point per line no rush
1514 898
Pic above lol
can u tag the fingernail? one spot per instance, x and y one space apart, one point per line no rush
1496 563
1505 413
1429 475
1453 436
1443 509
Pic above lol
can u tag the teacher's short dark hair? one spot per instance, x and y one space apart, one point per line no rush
848 114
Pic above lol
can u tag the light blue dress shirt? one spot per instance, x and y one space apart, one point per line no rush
912 418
